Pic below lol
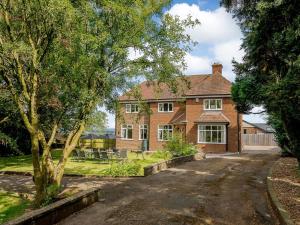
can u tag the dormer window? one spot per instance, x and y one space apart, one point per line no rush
212 104
165 107
132 108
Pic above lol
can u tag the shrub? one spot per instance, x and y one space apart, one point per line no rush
162 154
123 169
178 147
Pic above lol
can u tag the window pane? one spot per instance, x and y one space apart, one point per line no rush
214 127
212 104
207 127
129 133
127 107
201 127
206 104
207 136
219 104
170 107
165 107
223 137
202 136
214 136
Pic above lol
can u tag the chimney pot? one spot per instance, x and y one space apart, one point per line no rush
217 69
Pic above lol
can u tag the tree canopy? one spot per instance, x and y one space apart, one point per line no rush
61 59
270 72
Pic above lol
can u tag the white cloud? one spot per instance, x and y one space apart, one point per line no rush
218 32
216 26
196 64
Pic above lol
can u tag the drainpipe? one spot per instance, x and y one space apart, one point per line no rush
226 137
239 133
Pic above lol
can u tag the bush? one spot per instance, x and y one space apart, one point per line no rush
162 154
178 147
123 169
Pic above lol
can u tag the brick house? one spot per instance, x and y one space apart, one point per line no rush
205 115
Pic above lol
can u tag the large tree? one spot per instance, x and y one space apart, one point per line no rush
270 72
61 59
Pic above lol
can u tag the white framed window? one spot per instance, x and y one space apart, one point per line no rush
132 108
212 134
212 104
143 132
165 107
165 132
126 132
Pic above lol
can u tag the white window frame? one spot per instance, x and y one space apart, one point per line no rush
162 103
143 127
125 127
209 105
211 130
162 129
129 108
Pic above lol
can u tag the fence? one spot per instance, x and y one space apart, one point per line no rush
259 139
97 143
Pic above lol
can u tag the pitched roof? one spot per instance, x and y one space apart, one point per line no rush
212 117
180 119
199 85
265 127
262 126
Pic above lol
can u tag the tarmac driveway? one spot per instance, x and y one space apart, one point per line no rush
227 190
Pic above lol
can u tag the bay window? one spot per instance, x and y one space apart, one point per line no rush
214 134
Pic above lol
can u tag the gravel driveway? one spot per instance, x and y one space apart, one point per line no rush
227 190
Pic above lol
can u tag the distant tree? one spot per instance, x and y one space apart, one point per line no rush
270 72
60 59
97 122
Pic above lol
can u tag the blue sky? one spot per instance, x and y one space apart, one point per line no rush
218 37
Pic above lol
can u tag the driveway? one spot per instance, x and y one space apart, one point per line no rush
227 190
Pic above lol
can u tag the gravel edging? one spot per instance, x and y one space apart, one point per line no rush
280 212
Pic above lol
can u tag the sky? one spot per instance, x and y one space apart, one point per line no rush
219 40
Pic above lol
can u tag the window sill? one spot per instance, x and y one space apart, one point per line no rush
214 143
125 139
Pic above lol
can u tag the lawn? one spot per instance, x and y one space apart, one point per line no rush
86 167
11 205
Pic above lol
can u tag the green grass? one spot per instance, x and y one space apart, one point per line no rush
86 167
11 206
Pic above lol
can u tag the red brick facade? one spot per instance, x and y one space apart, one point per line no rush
185 119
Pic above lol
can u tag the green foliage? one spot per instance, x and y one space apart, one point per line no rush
179 147
62 59
11 206
123 169
162 154
12 130
269 73
52 192
96 122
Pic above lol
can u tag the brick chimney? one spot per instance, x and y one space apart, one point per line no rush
217 69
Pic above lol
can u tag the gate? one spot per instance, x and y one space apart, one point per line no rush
259 139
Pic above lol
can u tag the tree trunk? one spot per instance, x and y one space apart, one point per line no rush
39 180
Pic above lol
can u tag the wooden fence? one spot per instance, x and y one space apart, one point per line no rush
259 139
97 143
